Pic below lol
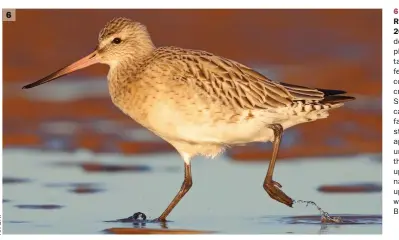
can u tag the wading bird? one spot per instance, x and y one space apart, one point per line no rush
199 102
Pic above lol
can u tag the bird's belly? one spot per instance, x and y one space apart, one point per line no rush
225 134
207 127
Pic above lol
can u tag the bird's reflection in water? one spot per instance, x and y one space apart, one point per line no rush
139 224
142 224
325 228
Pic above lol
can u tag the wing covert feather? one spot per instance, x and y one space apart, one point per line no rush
233 83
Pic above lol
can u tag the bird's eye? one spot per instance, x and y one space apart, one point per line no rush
116 40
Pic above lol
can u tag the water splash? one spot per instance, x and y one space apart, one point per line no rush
325 216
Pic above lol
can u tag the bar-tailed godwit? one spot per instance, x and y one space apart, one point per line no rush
199 102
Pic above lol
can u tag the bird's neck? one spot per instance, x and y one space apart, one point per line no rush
122 76
133 61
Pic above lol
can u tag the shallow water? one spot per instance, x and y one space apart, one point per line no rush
226 197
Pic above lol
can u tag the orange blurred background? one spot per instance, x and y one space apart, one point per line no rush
338 49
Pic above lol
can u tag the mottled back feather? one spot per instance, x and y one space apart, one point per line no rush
232 83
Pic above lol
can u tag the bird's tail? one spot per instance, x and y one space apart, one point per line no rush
334 96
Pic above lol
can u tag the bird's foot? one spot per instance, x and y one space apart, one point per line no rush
273 189
139 216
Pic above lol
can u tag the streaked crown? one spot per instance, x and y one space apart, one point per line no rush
123 38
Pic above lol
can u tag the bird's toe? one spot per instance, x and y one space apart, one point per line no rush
274 191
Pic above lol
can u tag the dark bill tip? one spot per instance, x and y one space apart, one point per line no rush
82 63
49 78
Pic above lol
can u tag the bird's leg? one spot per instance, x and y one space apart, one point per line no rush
272 187
187 183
